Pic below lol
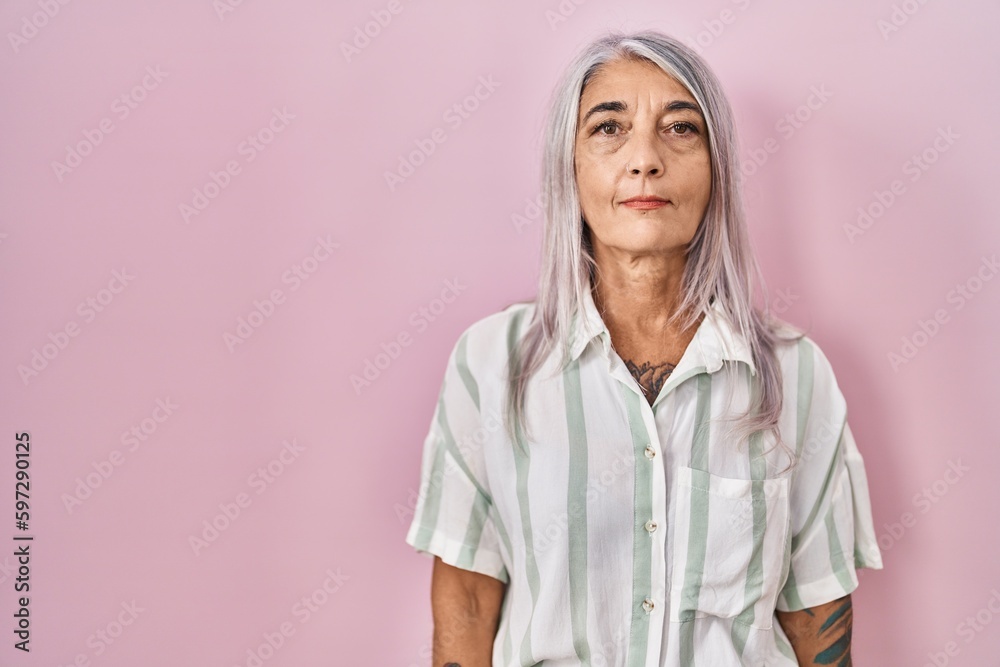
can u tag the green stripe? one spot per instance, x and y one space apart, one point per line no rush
462 359
642 545
508 648
456 454
521 464
433 491
674 381
805 392
822 492
452 445
473 532
498 524
755 570
790 590
739 633
785 647
837 562
432 499
531 566
702 423
698 521
576 503
786 559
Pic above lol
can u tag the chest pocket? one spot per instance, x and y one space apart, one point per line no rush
730 537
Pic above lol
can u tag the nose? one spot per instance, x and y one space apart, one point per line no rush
645 158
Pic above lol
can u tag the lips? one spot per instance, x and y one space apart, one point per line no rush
645 203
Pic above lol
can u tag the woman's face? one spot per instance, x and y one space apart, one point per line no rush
640 134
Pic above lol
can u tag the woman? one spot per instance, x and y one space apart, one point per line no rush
640 467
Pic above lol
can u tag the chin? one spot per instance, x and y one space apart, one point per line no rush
647 243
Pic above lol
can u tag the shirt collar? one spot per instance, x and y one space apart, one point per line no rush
714 341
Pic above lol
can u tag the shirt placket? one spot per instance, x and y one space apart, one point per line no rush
651 513
655 605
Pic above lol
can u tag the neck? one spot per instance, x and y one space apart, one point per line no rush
639 295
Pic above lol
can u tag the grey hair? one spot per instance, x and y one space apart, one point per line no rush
720 261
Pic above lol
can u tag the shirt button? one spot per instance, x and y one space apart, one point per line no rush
648 605
650 526
650 452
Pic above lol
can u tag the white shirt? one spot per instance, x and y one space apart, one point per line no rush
653 539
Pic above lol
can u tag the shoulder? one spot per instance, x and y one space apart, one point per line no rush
487 341
808 372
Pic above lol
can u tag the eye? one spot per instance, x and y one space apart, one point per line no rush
684 128
610 124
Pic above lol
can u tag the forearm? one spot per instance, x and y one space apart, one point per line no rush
462 639
466 610
820 635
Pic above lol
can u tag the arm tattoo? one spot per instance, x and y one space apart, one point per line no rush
650 376
836 632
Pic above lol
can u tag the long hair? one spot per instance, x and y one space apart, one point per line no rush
720 261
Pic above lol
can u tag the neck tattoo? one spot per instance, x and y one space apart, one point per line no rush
651 377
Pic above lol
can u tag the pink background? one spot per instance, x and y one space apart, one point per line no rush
339 504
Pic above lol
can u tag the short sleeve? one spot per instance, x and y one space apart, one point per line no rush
454 513
833 535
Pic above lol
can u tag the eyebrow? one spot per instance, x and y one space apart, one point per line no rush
618 106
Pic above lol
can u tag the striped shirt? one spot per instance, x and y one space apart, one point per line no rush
631 534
